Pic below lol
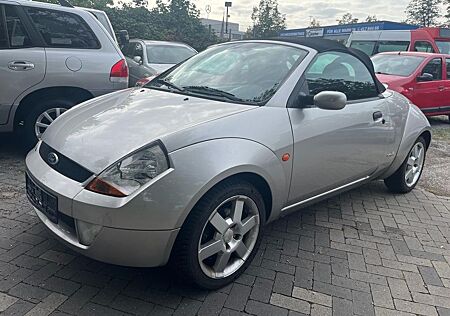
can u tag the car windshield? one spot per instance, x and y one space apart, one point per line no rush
397 65
444 47
168 54
242 72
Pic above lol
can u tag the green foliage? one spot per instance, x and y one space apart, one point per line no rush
97 4
371 18
347 18
176 20
267 20
314 23
423 12
447 15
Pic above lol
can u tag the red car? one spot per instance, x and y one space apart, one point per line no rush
424 78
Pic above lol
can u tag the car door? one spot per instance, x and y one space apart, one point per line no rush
427 94
21 64
137 69
76 55
446 85
337 148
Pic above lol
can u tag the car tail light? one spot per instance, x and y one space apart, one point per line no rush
119 72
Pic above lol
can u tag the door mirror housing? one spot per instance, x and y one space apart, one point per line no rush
330 100
138 59
425 77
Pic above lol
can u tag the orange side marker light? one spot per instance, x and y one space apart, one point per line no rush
285 157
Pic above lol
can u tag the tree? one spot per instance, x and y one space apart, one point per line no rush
314 23
371 18
96 4
140 3
267 20
179 20
423 12
447 15
347 18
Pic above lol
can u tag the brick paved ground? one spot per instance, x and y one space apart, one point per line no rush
366 252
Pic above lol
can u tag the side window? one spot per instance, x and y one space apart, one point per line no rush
16 36
422 46
365 46
434 68
447 61
63 29
392 46
336 71
3 37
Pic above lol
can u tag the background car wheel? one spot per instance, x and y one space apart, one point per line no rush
407 176
220 236
40 116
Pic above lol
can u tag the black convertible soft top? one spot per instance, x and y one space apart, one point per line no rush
324 45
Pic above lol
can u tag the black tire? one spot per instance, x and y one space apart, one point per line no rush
184 259
396 183
27 132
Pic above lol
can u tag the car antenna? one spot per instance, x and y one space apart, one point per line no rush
65 3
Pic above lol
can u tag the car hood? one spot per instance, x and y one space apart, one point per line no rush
99 132
393 81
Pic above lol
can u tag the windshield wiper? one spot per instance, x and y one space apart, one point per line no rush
381 73
212 92
168 84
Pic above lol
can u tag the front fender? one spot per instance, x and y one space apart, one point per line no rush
201 166
416 124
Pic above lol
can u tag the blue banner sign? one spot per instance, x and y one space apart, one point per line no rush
335 30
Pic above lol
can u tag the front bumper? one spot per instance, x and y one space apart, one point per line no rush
112 244
126 247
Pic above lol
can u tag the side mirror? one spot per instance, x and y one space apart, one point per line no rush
137 59
124 38
425 77
330 100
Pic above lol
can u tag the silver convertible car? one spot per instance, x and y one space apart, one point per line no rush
191 167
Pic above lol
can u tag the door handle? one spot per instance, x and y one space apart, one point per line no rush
442 88
20 65
378 117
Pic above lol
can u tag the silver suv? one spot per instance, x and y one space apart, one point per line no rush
53 57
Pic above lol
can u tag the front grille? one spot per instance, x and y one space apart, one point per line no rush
64 165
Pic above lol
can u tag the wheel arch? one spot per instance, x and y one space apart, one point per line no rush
255 179
218 160
427 136
405 146
75 94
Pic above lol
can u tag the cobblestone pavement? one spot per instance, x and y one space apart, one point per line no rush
366 252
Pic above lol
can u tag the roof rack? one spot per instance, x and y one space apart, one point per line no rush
65 3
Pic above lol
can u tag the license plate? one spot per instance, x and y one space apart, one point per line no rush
42 200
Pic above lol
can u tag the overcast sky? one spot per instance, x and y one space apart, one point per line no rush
298 12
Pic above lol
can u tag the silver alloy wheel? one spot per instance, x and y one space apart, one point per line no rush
414 164
228 237
45 119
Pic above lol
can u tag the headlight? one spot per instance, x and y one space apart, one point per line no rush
130 173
